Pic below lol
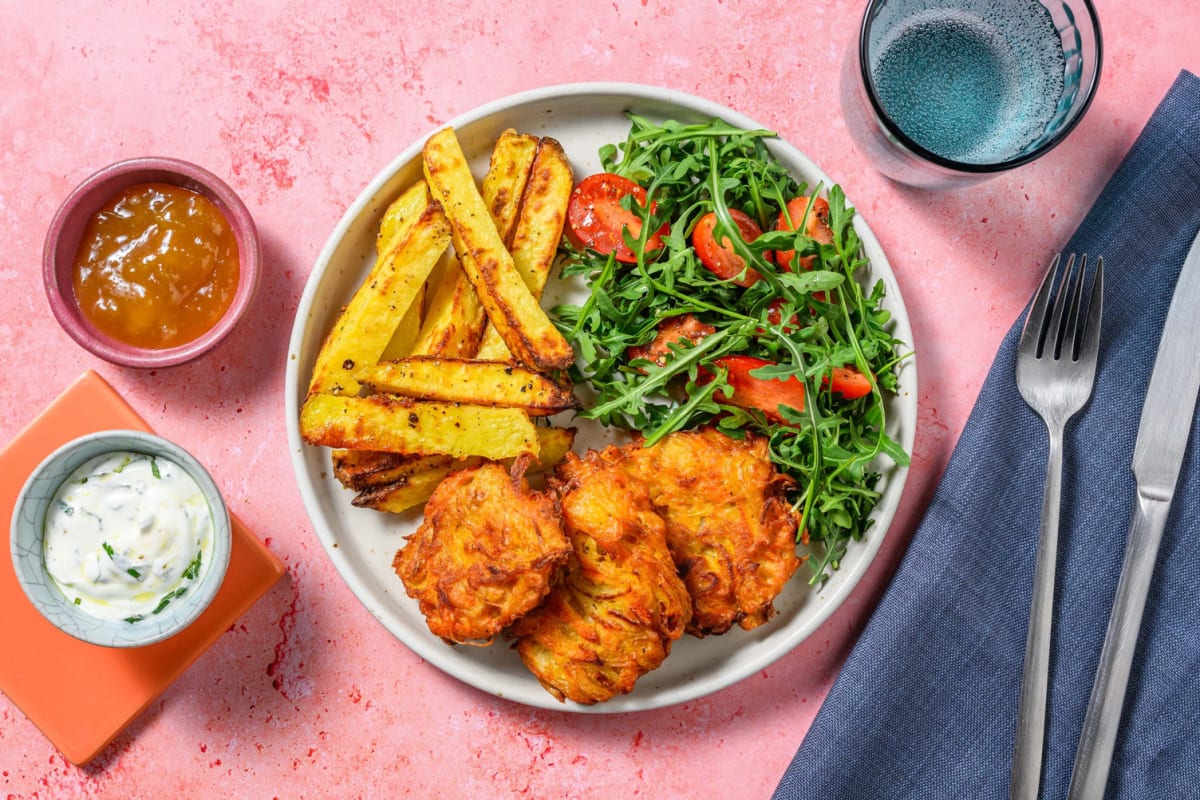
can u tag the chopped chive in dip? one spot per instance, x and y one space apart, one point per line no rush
167 598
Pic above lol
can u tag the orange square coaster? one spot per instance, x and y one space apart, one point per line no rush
81 695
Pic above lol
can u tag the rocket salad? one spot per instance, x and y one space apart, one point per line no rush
725 292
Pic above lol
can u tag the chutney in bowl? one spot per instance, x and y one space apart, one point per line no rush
151 262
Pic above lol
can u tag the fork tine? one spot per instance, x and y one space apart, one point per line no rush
1072 333
1058 318
1091 334
1033 334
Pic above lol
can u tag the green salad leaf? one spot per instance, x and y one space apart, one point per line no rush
804 322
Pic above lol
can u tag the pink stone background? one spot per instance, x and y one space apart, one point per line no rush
297 106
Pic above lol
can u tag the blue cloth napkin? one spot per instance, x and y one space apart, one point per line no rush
925 706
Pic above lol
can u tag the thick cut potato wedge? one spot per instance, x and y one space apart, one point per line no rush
534 244
362 469
510 306
503 190
399 217
553 446
367 324
543 213
397 221
417 487
404 338
488 383
411 491
399 425
455 323
508 173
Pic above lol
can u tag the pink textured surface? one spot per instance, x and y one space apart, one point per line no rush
307 695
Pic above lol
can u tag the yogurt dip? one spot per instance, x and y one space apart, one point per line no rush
126 534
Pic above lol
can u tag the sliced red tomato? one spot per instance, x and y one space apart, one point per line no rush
849 383
719 257
816 226
766 395
775 316
674 330
595 218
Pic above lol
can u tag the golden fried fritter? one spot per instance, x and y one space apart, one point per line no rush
484 555
620 603
730 527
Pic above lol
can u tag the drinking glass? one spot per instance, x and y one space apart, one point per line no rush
947 93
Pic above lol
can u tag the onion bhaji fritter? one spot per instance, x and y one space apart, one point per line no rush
619 603
485 554
730 527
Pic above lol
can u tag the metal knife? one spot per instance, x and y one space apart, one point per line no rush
1157 457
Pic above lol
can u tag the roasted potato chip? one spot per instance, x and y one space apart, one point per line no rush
489 383
399 217
400 425
362 469
411 491
404 338
543 212
397 221
455 324
365 327
511 307
412 333
538 230
508 173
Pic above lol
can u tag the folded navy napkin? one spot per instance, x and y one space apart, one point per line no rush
925 706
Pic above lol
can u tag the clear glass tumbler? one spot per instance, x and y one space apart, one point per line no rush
947 93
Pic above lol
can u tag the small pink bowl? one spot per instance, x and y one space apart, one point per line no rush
66 230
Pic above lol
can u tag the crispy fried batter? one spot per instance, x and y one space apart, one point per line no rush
620 603
484 555
730 528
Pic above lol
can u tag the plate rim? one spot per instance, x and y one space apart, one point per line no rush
433 650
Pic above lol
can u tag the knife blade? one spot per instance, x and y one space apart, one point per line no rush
1162 439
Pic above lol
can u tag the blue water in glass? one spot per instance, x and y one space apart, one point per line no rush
975 83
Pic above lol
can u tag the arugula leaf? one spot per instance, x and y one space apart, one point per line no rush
804 322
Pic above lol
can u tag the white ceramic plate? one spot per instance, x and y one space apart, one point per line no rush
361 543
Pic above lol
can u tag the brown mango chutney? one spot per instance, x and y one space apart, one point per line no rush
157 266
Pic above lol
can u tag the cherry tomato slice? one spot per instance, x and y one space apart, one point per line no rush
595 218
775 316
720 258
816 226
849 383
674 330
766 395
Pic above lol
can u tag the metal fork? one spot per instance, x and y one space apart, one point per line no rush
1056 367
